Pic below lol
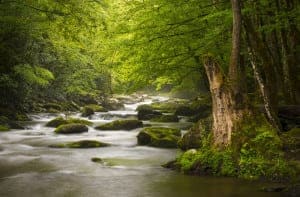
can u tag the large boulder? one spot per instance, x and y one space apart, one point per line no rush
81 144
56 122
159 137
146 112
165 118
71 128
121 125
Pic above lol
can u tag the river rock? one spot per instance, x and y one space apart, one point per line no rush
87 111
97 160
159 137
147 114
121 125
71 128
165 118
61 121
81 144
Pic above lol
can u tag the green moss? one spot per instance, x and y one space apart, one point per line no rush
4 128
87 111
159 137
91 109
52 106
295 132
96 108
61 121
144 107
165 118
96 160
121 125
22 117
255 152
71 128
165 106
81 144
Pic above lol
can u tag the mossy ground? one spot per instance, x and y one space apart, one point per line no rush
255 152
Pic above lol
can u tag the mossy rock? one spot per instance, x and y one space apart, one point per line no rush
71 128
96 108
97 160
165 118
121 125
61 121
159 137
80 144
144 107
167 106
147 114
4 128
87 111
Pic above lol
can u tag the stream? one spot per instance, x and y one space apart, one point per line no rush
29 167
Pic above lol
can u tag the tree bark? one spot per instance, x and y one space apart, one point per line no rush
229 102
264 73
226 116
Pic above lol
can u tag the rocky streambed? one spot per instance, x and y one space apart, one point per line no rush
31 166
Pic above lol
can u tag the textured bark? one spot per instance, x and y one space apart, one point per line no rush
266 75
229 105
226 114
236 42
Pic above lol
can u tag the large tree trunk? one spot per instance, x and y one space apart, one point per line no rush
226 113
229 102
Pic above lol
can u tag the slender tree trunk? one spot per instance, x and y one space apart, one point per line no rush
266 75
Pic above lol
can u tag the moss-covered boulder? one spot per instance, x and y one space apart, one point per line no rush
81 144
144 107
97 160
71 128
87 111
147 114
61 121
159 137
165 118
121 125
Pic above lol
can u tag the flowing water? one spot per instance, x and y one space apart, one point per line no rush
28 167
